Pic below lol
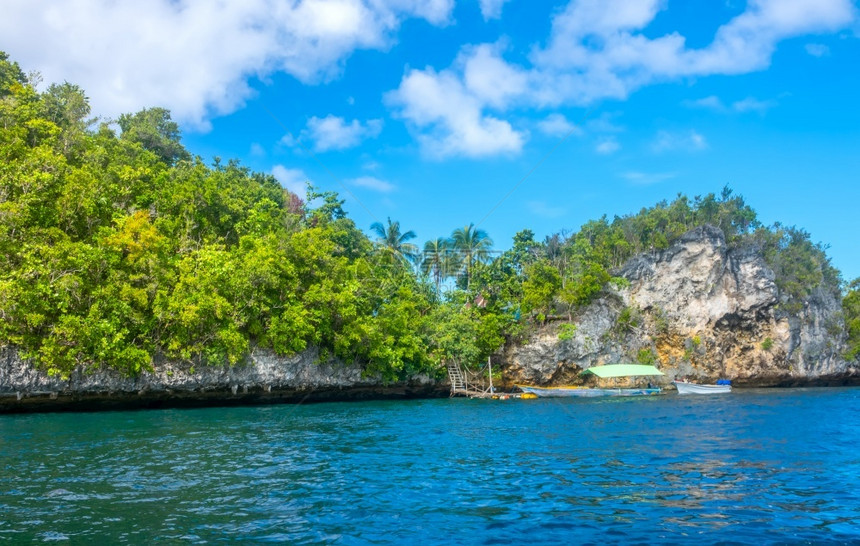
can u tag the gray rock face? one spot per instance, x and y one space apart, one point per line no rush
700 310
262 376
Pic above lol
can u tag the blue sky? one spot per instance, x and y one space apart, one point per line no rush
430 112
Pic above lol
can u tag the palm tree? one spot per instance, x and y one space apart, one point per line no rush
473 245
394 242
439 260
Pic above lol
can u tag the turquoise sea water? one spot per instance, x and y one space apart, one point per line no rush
756 467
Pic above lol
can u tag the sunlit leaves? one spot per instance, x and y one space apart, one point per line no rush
851 308
540 288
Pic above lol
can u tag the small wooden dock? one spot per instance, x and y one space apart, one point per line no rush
462 385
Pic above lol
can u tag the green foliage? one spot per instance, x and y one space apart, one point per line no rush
566 331
691 346
466 335
472 245
801 266
117 249
393 244
851 310
584 261
584 283
767 344
438 261
11 76
540 288
525 249
153 129
661 321
628 319
647 357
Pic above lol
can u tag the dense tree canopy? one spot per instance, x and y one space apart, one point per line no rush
116 249
851 305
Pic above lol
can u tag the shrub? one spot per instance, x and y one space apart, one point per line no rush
566 332
646 356
661 322
628 319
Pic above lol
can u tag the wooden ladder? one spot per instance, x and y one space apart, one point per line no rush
455 374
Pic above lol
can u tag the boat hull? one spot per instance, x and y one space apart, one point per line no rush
582 392
693 388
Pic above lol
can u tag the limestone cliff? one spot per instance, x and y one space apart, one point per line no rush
699 309
263 377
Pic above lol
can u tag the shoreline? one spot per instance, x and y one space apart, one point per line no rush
12 403
63 402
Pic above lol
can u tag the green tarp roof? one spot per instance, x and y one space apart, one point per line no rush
622 370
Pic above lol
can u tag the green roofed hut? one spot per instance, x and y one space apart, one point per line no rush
603 372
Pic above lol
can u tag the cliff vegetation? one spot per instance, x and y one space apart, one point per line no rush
119 249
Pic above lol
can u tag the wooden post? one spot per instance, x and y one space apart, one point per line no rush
490 366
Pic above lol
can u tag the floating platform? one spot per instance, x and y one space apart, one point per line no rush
474 393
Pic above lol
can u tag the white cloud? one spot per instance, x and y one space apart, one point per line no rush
541 208
288 140
749 104
711 102
293 179
373 183
451 116
597 49
685 141
196 56
370 165
333 133
817 50
607 146
697 141
605 124
557 125
488 77
257 150
492 9
644 179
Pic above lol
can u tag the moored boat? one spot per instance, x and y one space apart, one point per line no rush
685 387
586 392
611 370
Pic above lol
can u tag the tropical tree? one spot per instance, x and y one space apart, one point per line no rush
155 131
554 251
473 245
851 310
438 260
394 243
540 288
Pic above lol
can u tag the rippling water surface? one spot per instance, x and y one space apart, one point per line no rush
769 466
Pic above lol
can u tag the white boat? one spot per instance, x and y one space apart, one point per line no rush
694 388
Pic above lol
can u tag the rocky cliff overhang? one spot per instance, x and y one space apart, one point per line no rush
702 310
263 378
